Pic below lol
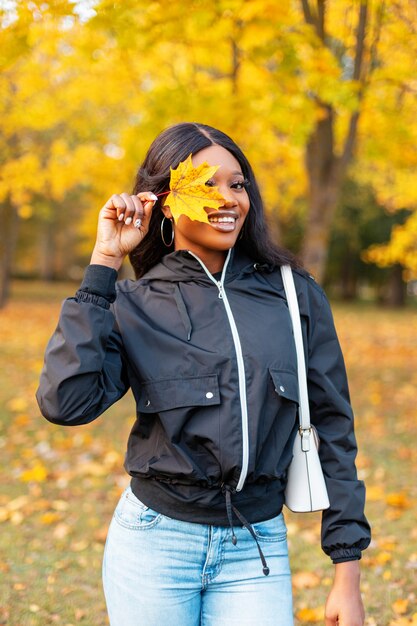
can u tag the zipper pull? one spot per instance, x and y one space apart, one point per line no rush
220 288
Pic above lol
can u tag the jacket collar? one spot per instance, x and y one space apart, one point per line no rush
181 266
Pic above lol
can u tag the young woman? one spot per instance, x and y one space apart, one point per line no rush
203 338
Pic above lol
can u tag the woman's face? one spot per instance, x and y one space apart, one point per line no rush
218 236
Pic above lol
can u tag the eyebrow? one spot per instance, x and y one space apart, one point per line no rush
237 173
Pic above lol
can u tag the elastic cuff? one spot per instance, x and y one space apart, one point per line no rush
92 298
344 560
345 554
100 280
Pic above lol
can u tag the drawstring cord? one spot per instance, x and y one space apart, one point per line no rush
229 513
227 490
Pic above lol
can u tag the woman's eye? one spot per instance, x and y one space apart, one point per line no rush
240 184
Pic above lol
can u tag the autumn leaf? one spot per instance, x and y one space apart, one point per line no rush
400 606
398 500
311 615
189 193
305 580
37 473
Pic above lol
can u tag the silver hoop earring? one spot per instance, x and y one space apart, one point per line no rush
168 245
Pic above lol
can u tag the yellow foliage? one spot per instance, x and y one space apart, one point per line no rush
401 249
253 68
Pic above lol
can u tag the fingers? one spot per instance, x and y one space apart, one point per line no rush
146 200
132 210
129 211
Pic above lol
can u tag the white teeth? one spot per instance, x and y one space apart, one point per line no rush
222 219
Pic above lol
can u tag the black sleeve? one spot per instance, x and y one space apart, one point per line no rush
84 370
345 530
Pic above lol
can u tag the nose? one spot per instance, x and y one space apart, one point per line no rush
227 193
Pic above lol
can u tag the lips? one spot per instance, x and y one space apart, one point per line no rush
218 214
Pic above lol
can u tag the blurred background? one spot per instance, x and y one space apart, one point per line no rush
321 96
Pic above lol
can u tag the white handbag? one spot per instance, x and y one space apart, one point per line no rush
306 488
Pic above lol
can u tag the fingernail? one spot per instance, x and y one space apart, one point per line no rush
128 221
138 222
121 216
154 197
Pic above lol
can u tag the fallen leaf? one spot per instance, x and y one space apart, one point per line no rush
17 405
79 546
305 580
50 517
19 586
61 530
311 615
375 493
398 500
400 606
37 473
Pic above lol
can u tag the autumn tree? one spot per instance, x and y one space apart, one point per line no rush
308 89
293 79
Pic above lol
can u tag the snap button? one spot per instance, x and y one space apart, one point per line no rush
281 388
209 395
147 403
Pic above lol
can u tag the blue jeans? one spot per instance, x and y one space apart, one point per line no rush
158 570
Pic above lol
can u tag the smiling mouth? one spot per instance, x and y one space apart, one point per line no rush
223 224
222 220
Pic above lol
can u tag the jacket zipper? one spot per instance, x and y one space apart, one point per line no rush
240 366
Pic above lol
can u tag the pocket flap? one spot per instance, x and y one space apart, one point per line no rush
166 394
286 384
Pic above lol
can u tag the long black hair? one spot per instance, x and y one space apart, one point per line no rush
171 147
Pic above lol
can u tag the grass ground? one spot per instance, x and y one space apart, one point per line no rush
59 486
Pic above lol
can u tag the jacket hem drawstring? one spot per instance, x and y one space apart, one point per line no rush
230 509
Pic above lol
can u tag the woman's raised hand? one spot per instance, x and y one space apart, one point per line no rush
122 224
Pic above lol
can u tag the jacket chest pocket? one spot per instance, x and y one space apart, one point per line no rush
174 393
180 419
285 384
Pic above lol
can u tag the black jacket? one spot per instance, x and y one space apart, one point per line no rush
211 362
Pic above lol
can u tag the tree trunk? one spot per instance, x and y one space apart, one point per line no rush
47 252
326 170
349 286
396 288
8 238
317 233
325 179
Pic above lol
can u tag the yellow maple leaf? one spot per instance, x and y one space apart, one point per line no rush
189 193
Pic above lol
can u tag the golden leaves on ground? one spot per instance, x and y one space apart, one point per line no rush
189 193
60 485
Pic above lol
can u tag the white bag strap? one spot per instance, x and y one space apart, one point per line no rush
291 294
